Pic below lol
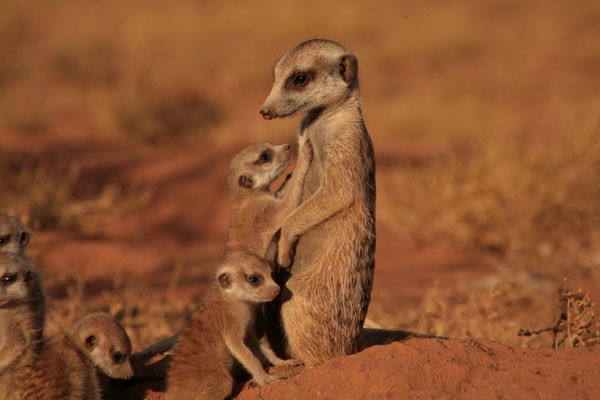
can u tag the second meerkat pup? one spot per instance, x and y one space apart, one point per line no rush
70 364
326 298
223 330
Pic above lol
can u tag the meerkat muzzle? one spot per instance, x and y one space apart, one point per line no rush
266 113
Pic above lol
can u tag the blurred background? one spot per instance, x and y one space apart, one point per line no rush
118 121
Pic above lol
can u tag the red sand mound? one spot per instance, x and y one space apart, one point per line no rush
438 369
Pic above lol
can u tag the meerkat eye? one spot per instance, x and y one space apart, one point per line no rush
8 279
300 79
4 240
254 280
264 157
118 357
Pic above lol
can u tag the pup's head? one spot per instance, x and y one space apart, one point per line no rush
316 74
258 165
247 278
13 235
105 343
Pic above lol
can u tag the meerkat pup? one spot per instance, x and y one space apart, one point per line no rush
325 300
13 235
21 313
70 365
222 330
256 213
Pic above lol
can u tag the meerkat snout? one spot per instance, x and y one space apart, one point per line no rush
266 113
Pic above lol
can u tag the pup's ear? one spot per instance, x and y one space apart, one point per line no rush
224 280
348 68
245 181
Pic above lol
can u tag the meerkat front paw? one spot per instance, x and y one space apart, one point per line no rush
291 363
266 379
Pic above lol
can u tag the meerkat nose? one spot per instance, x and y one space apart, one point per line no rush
286 147
266 113
276 291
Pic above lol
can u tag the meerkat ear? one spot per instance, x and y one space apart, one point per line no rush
245 181
348 68
24 239
90 342
224 280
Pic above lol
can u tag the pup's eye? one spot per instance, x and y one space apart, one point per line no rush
254 280
118 357
8 279
264 157
4 240
300 79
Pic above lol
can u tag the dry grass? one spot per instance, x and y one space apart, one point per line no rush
44 195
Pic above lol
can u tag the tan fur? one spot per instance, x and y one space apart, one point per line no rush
326 298
21 312
256 213
61 372
222 330
14 237
68 365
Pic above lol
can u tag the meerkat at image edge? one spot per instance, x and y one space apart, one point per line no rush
13 235
325 300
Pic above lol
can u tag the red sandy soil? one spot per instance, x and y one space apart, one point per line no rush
186 223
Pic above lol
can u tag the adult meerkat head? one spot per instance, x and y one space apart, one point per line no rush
316 74
247 277
19 280
258 165
13 235
105 343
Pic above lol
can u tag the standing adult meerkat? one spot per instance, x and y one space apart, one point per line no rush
21 313
326 298
14 237
70 365
221 330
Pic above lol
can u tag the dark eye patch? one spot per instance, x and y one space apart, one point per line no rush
118 357
254 280
265 157
8 279
4 240
299 79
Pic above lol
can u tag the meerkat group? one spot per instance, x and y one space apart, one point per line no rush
224 328
66 366
306 249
